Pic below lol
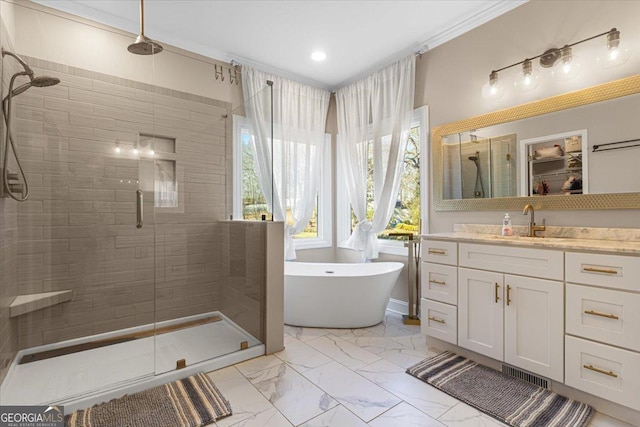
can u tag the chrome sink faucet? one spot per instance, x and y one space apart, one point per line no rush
531 231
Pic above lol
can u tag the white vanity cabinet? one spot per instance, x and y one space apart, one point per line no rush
566 310
603 326
509 317
439 290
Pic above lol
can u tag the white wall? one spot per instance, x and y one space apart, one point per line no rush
450 77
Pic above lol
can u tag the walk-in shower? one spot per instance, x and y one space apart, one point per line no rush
11 181
92 306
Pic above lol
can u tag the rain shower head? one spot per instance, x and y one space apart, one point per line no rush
143 44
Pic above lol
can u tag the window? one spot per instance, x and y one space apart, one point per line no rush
408 215
249 202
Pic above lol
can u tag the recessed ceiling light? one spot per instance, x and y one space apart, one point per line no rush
318 56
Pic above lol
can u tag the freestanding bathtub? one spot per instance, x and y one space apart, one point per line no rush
337 295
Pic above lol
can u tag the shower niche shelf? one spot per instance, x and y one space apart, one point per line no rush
24 304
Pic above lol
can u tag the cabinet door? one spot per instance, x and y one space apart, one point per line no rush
534 325
480 312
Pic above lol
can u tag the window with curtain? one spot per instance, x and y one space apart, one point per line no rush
249 201
407 215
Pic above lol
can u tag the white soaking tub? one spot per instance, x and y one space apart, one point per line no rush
338 295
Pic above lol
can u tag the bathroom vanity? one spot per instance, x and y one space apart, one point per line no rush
565 307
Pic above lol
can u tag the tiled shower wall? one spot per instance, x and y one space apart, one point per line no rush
243 247
77 230
8 250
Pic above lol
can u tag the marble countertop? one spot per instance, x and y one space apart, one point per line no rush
591 239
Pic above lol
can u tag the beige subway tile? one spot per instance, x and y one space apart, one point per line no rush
67 105
45 167
85 170
113 89
94 121
56 91
92 194
90 96
28 126
40 115
65 130
29 99
115 135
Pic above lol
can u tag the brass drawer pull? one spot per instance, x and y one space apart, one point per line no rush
599 270
435 319
437 252
508 294
596 313
438 282
497 289
600 371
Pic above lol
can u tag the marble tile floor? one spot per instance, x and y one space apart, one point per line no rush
346 378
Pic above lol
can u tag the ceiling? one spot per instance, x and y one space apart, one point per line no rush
358 37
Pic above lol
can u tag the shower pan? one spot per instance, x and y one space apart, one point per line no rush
117 289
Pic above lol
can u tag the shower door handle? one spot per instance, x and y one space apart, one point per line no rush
139 209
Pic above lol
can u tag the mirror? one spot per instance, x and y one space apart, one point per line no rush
543 153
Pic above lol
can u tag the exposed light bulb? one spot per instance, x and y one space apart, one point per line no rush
529 79
615 51
493 88
118 149
568 67
152 153
135 151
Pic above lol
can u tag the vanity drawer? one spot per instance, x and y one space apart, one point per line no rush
439 282
440 252
604 315
604 371
541 263
612 271
439 320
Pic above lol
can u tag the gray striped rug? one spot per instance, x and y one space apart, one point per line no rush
510 400
190 402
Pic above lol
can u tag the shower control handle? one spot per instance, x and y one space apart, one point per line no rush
139 209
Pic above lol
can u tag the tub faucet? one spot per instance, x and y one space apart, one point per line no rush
531 231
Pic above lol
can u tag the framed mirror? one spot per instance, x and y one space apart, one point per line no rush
502 160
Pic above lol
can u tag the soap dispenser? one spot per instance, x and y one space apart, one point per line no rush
507 229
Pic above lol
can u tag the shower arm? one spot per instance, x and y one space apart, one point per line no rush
27 70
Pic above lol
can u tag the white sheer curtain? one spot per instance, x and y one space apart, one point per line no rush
289 165
377 108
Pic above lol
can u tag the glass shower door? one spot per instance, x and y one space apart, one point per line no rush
83 269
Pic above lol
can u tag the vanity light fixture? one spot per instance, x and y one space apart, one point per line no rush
564 62
118 150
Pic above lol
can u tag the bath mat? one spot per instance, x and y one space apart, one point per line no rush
510 400
190 402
